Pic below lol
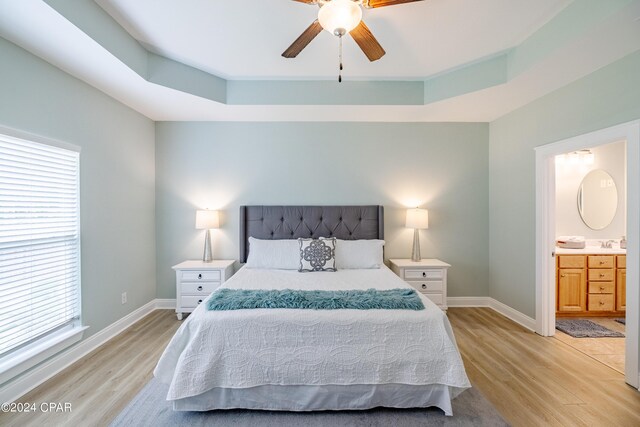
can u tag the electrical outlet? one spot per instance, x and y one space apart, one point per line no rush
124 297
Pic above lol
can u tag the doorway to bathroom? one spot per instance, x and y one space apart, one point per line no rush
573 162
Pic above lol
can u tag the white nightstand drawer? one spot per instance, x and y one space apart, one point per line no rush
428 286
200 276
192 301
423 274
195 280
435 298
427 276
204 288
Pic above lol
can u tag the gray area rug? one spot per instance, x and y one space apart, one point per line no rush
149 408
622 320
581 328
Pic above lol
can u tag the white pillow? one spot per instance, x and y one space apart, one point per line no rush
352 254
276 254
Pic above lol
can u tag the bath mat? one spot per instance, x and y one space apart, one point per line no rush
581 328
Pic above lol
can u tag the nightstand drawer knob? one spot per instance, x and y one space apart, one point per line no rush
200 276
424 286
199 288
424 274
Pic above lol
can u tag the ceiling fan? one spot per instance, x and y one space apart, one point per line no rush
340 17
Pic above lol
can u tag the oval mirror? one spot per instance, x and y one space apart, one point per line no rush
597 199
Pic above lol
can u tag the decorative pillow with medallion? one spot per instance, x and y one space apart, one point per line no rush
317 255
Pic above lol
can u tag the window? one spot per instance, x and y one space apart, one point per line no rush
39 243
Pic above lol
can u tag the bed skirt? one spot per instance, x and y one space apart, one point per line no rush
321 398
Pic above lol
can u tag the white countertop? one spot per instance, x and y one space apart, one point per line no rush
592 250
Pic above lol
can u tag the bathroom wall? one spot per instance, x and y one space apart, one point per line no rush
612 159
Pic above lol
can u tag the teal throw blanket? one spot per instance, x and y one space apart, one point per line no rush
240 299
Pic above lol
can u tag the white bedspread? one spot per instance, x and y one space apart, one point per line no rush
248 348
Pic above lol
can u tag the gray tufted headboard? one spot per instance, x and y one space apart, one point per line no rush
291 222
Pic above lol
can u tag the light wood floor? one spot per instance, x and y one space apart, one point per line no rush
537 381
609 351
531 380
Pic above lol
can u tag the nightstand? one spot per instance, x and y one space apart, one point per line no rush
428 276
195 280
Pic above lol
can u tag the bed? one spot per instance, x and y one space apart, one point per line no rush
305 360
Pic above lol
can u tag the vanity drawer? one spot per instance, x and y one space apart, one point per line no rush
423 274
427 286
571 261
435 298
602 274
200 276
192 301
601 261
622 261
601 302
601 287
204 288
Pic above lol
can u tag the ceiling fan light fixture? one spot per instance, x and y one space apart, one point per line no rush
340 16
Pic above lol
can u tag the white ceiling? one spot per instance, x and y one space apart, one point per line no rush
458 31
244 39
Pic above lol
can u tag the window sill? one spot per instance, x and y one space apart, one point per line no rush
26 358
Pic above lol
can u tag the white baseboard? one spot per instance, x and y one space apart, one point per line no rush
166 304
13 390
468 301
513 314
495 305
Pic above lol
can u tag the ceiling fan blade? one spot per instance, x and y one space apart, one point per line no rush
370 4
301 42
369 45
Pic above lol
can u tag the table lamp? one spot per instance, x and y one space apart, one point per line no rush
206 220
417 219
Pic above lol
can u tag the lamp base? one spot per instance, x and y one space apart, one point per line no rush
206 256
415 253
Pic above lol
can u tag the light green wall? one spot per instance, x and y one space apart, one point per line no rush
225 165
604 98
116 177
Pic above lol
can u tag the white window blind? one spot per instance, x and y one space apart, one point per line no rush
39 240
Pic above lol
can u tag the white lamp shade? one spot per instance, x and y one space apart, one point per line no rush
417 218
345 14
206 219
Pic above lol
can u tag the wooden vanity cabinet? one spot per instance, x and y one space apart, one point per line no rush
621 283
590 285
571 284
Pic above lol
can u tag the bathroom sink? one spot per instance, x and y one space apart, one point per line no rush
592 250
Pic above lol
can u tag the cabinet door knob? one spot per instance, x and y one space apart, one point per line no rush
563 275
424 274
199 288
424 286
200 276
199 301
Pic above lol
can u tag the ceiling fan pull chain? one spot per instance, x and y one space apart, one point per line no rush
340 58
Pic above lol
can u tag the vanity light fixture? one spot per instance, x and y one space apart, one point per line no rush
580 157
418 219
206 220
586 157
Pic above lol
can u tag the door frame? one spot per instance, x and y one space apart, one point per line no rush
545 232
